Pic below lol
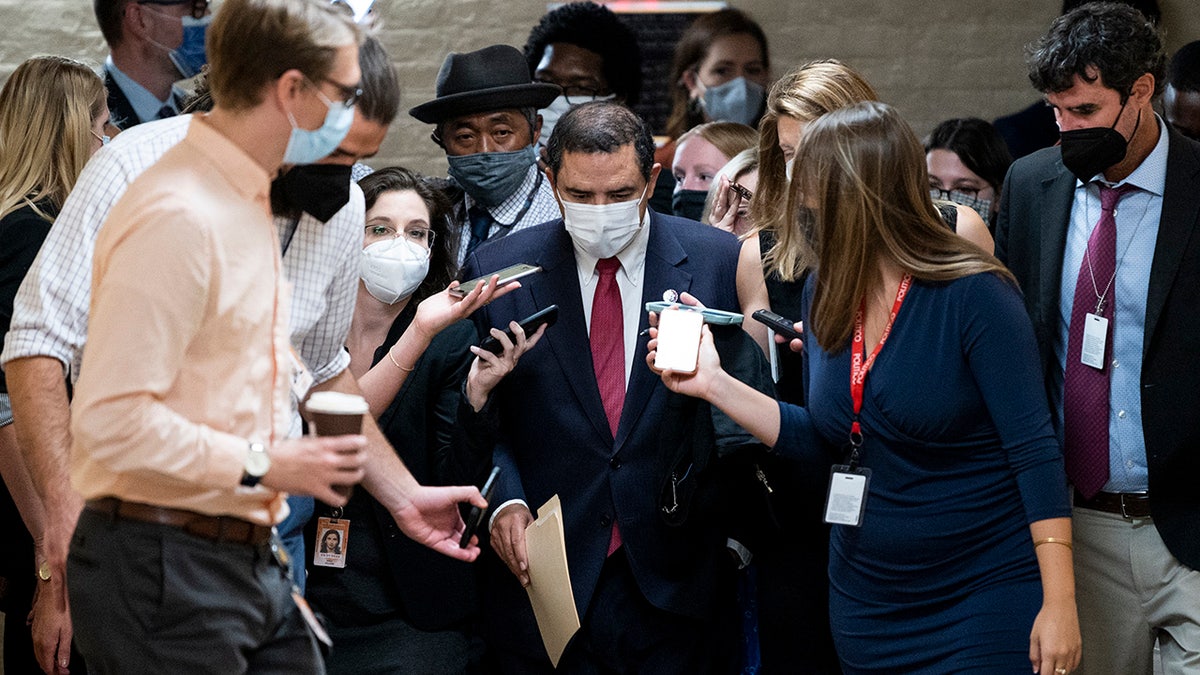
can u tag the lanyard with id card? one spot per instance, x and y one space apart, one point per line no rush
846 501
333 541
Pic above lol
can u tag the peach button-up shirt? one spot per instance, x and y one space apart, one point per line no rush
187 356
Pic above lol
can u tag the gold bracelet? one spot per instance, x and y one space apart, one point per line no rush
1053 540
397 363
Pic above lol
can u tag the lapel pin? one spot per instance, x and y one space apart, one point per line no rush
670 295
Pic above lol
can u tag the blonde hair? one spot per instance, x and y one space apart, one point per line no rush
804 94
862 171
47 108
728 137
253 42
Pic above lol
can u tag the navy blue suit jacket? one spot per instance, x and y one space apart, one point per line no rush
1031 236
555 438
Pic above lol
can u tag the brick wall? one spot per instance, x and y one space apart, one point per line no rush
932 60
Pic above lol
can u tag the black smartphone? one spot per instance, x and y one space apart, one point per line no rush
529 324
475 517
507 275
782 326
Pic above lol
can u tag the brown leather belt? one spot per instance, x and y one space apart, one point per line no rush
215 528
1125 504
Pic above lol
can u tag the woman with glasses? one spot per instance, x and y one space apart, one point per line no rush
967 160
411 350
53 113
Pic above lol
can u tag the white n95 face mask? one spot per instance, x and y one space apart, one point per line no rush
602 230
559 107
393 269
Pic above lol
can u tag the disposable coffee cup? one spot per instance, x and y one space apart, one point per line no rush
332 413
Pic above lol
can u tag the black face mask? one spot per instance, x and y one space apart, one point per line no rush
688 203
320 190
1087 152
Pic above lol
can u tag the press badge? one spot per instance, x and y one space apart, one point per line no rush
333 537
1095 336
847 500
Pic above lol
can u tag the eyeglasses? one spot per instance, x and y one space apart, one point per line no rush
349 95
420 236
940 193
199 7
577 94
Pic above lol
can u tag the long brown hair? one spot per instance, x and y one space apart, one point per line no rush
47 108
690 51
804 94
862 171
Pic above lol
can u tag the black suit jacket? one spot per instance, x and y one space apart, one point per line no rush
120 110
555 438
1031 237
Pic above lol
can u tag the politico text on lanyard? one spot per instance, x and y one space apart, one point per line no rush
848 483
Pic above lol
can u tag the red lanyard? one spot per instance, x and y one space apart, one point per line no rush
859 367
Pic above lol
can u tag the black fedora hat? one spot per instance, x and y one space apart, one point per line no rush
492 78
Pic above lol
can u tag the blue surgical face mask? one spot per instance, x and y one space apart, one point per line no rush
306 147
738 100
491 177
190 56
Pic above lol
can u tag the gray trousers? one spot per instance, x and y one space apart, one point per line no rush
150 598
1132 592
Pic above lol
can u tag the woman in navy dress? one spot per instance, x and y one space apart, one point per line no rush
962 560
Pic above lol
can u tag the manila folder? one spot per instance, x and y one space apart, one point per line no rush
550 580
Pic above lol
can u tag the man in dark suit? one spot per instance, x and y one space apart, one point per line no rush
1103 234
146 39
651 597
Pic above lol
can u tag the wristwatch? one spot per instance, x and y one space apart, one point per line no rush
258 462
43 571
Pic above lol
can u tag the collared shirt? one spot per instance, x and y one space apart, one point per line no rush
188 353
1137 217
532 204
145 104
50 314
629 281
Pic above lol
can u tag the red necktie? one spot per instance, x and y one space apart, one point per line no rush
1086 389
607 337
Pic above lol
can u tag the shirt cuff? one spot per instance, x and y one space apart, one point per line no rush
498 509
744 555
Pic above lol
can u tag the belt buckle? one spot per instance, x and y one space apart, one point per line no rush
1124 510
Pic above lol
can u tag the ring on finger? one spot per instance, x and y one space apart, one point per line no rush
1060 671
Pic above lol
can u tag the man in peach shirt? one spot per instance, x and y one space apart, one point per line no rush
180 416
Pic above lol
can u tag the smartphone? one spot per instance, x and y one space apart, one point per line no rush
678 340
507 275
782 326
742 190
475 517
529 324
715 317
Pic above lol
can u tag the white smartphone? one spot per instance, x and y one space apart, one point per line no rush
507 275
678 340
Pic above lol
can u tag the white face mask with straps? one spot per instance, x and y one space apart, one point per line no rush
393 269
603 230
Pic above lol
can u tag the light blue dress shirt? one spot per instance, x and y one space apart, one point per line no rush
1137 216
145 104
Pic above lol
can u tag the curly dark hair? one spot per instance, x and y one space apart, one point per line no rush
1106 41
1184 71
442 267
597 29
